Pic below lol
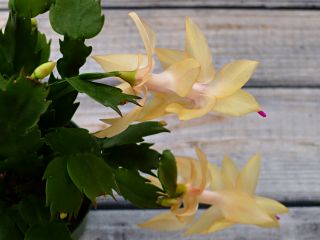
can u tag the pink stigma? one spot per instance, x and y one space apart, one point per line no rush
262 114
277 217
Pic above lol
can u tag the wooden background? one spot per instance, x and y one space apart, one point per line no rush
284 35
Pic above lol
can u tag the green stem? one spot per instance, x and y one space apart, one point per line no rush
91 77
96 76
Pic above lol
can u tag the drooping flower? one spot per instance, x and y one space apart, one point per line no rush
193 179
213 91
234 200
189 86
136 70
232 196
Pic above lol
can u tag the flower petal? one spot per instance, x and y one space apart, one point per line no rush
271 206
274 224
167 57
238 104
205 221
190 205
240 207
216 178
126 88
179 78
184 166
204 173
249 175
147 35
154 108
219 225
164 222
155 181
197 47
120 124
121 62
229 172
190 113
232 77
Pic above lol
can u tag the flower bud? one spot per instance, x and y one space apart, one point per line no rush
34 23
43 70
63 215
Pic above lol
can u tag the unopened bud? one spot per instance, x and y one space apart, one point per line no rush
63 215
43 70
34 23
128 76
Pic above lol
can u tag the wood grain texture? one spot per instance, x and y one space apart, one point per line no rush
285 42
289 139
211 3
202 3
299 224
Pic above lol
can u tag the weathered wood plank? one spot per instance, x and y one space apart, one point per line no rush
289 139
211 3
299 224
202 3
288 48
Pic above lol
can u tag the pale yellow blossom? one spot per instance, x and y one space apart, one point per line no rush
234 200
217 91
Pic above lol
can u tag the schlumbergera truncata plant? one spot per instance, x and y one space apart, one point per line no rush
51 171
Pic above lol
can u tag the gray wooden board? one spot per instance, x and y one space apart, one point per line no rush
285 42
299 224
289 139
200 3
212 3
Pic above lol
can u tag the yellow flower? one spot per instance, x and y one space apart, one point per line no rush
193 178
189 86
231 196
141 65
213 91
234 201
136 69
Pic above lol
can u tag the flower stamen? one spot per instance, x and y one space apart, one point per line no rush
262 114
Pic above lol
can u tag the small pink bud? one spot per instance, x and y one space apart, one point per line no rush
277 217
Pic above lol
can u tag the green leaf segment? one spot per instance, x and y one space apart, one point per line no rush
82 168
77 19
